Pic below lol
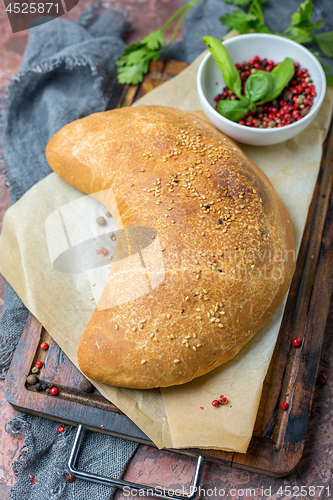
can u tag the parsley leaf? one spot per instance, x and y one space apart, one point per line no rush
134 62
132 74
240 21
252 21
154 40
329 79
242 3
301 27
325 42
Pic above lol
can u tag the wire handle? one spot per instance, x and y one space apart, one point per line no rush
96 478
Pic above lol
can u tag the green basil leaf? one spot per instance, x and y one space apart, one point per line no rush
325 42
282 74
258 85
234 110
229 70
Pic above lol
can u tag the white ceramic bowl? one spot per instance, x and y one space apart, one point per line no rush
241 48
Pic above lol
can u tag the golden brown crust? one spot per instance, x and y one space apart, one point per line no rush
226 244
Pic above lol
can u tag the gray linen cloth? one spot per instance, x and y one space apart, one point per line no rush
66 71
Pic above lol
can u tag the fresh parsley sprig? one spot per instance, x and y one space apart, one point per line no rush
260 87
246 22
301 29
134 62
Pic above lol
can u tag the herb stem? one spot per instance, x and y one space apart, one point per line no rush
185 9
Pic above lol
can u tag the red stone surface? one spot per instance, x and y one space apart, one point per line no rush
150 466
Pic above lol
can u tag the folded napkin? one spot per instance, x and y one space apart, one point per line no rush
66 72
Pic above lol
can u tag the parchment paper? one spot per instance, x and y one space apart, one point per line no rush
61 301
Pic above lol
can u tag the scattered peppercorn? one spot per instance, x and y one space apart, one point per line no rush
102 250
44 346
54 391
35 370
297 342
107 214
39 364
101 221
38 387
70 478
31 476
286 108
86 386
61 429
32 379
284 406
220 401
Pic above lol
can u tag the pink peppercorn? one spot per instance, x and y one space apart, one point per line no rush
215 403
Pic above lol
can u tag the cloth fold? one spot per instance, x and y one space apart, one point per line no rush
66 72
45 451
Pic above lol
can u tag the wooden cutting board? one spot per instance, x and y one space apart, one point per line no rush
278 438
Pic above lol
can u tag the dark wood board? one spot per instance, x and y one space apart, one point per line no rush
278 438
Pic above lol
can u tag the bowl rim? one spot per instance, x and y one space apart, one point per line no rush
279 130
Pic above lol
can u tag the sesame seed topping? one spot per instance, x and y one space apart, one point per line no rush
144 361
176 361
117 327
134 329
91 298
187 298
